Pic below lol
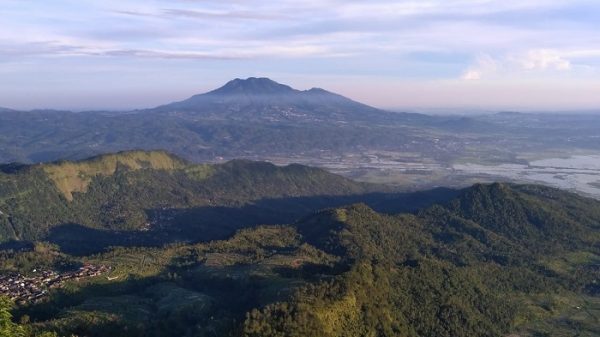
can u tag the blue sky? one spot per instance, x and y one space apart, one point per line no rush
119 54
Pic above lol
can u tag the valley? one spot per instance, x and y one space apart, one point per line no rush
412 171
578 173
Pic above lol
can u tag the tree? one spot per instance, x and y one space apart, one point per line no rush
7 327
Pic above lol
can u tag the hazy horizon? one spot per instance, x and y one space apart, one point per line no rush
161 97
532 55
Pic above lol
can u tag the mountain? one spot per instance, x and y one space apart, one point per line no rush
490 260
251 118
156 197
253 86
262 120
466 267
264 99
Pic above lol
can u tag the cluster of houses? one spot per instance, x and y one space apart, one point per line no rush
31 289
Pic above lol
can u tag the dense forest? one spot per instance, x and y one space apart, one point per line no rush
160 195
489 260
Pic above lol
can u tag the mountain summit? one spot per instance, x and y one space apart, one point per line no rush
253 86
264 99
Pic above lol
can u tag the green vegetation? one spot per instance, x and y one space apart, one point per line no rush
200 250
8 328
459 270
493 260
155 192
71 177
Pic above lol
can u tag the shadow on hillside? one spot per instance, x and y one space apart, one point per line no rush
229 292
16 246
62 300
216 223
12 168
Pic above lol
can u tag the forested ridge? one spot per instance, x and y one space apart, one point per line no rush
461 269
489 260
135 190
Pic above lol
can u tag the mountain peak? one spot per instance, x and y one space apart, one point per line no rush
253 86
318 91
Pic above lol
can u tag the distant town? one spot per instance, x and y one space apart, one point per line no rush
23 289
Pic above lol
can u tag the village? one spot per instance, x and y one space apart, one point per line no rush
23 289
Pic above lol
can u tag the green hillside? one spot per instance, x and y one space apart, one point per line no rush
494 260
154 192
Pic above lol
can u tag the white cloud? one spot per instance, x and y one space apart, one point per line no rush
398 9
484 65
582 53
472 75
530 63
286 28
544 59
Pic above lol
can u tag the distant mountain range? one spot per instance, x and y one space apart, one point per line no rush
258 118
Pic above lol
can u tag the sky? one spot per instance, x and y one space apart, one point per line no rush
434 54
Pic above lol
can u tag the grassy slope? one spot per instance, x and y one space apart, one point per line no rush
71 177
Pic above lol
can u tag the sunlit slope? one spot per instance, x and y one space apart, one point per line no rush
497 259
123 191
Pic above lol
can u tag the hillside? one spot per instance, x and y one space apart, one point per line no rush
154 191
493 260
75 177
